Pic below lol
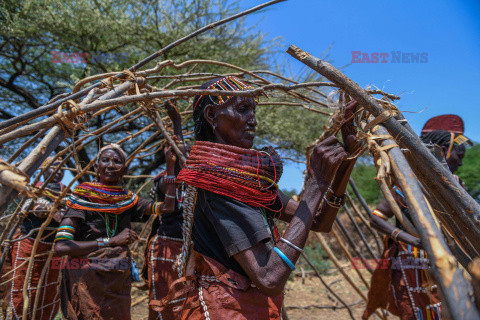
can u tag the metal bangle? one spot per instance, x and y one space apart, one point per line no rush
395 233
106 241
291 244
169 196
395 236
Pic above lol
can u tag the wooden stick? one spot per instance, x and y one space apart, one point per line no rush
27 144
465 210
360 233
366 223
360 198
335 261
451 281
350 258
100 103
352 243
40 282
315 306
327 286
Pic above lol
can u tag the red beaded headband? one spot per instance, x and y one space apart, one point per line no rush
229 83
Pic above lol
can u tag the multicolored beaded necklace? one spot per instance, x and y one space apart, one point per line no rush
95 196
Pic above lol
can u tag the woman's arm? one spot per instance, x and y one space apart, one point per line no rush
81 248
384 227
327 213
263 265
169 188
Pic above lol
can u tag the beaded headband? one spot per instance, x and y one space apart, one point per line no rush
229 83
49 161
116 147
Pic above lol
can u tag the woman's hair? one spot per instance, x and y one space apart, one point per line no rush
439 137
203 131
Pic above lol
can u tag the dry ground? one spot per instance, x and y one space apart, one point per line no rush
302 293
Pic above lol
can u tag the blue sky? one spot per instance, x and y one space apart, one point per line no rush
448 31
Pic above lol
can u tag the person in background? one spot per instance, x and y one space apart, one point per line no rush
166 239
49 293
398 285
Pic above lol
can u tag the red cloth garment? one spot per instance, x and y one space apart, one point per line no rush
225 295
160 257
49 293
98 285
402 285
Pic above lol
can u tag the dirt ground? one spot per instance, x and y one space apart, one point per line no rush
306 299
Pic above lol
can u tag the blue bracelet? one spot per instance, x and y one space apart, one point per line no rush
284 258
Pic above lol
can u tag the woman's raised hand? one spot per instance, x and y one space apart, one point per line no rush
349 132
125 237
170 155
325 160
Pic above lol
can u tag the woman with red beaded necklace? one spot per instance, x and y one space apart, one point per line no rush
239 264
95 233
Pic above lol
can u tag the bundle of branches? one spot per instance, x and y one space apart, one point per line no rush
434 199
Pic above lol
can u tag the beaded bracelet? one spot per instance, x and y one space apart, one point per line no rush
380 214
65 233
284 258
291 244
332 200
155 208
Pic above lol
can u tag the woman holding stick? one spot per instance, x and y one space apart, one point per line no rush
401 283
95 233
165 241
15 267
239 264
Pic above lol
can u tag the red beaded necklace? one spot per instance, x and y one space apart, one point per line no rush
246 175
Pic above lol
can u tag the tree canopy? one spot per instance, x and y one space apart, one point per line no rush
46 46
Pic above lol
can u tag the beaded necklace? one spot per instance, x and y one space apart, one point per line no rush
110 232
102 198
246 175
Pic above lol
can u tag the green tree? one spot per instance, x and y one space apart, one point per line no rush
469 172
364 175
122 32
